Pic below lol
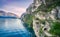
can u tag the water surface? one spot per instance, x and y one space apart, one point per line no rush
13 28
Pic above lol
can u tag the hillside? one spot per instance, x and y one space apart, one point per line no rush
7 14
44 17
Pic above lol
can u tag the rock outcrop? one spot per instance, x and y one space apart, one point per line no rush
45 13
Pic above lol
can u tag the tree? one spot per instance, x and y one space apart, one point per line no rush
55 29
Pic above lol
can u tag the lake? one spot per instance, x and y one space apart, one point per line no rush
13 28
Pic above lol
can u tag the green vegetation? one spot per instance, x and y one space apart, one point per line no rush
48 7
50 4
55 29
42 21
28 19
41 31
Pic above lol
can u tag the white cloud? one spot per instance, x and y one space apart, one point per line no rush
14 9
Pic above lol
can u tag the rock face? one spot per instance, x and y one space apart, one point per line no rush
5 14
33 6
23 16
45 12
45 21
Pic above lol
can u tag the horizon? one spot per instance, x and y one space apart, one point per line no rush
17 7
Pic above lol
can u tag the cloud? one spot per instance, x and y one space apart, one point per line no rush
14 9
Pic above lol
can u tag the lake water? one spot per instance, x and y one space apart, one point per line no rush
13 28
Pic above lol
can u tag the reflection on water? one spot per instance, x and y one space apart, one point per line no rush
12 28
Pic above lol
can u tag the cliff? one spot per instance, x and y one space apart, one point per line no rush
44 17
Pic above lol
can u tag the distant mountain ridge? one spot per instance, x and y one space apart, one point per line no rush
7 14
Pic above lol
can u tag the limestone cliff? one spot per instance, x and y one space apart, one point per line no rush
44 16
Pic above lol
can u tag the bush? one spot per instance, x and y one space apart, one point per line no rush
28 19
55 29
49 7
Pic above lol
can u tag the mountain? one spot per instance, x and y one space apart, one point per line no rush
22 16
44 17
2 13
7 14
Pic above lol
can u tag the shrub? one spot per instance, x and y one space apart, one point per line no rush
55 29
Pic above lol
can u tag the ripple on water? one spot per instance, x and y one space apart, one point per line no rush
13 28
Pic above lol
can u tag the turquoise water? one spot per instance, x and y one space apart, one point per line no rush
13 28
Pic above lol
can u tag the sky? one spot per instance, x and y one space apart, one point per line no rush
15 6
